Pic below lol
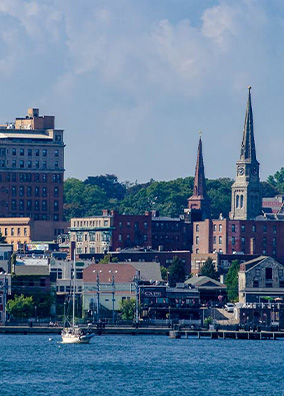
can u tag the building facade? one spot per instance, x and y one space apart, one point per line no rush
261 279
110 232
32 168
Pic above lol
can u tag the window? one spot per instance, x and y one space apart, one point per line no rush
36 204
274 242
197 240
29 164
120 224
44 205
255 283
281 283
43 164
37 153
268 273
37 164
233 228
243 241
37 191
8 177
120 237
22 191
22 151
197 228
14 191
14 204
264 241
14 177
44 191
56 152
56 205
214 227
56 164
214 240
44 178
254 228
44 152
55 191
21 204
243 228
12 231
197 251
220 240
18 231
220 227
274 229
145 225
128 224
29 204
265 228
14 164
29 191
22 164
14 151
57 138
30 152
233 240
56 218
6 231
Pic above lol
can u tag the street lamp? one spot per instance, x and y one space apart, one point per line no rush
113 293
98 295
136 280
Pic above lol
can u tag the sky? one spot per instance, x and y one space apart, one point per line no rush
132 82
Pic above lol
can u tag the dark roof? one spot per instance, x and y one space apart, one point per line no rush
204 282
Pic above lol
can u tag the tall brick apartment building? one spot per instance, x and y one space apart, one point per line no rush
249 229
32 168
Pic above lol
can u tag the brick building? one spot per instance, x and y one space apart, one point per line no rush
32 168
110 231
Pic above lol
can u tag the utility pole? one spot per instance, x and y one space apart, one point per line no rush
136 280
98 297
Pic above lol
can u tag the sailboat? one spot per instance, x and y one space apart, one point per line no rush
75 334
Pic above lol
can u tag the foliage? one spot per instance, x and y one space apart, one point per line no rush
89 197
208 321
208 269
108 259
176 272
232 281
127 308
277 180
164 272
21 306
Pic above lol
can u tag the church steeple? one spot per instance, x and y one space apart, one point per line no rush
248 144
199 201
199 189
246 191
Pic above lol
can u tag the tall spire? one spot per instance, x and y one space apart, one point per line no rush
199 189
199 203
248 144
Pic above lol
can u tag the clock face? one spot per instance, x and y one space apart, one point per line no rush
241 170
254 171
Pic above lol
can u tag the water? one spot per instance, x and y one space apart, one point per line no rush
140 365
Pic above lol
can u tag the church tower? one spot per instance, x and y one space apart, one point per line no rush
199 203
246 191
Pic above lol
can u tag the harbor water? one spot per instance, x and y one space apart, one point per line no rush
140 365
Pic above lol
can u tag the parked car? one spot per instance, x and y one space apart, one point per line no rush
229 307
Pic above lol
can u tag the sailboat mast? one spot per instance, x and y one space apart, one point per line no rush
74 284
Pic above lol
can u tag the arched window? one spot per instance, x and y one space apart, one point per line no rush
237 201
242 201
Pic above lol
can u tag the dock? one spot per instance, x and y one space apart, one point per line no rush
174 334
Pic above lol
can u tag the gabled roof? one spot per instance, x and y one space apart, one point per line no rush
248 265
205 282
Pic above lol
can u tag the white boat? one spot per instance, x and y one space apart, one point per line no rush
75 334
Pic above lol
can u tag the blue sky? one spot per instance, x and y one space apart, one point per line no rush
133 81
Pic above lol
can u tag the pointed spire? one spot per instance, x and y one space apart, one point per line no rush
248 144
199 189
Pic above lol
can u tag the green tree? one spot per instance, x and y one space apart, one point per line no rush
232 281
277 180
208 269
2 238
164 272
21 306
127 308
108 259
176 272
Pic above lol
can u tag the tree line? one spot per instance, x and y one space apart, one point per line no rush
89 197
